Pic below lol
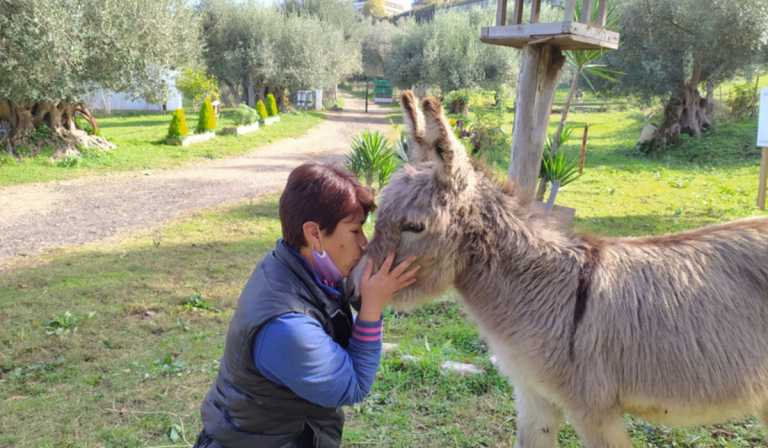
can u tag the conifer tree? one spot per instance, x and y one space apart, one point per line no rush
178 125
261 109
271 105
207 118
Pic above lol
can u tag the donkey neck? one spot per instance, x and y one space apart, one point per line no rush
511 256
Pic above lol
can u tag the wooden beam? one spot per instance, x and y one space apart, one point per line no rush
586 11
501 13
535 10
602 12
517 14
570 10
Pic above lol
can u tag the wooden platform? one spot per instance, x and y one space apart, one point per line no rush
565 35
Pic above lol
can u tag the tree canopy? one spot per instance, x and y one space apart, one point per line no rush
445 51
56 50
669 48
297 45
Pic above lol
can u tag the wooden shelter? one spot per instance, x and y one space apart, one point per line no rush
542 60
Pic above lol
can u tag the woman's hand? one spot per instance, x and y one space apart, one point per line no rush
376 290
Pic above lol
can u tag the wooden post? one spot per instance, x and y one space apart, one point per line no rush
517 13
763 178
535 10
583 148
501 13
366 95
539 70
586 11
570 10
602 12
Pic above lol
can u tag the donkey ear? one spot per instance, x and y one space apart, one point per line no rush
444 148
414 127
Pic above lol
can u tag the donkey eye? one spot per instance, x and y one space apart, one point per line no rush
415 228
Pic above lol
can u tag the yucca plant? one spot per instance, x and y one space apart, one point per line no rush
562 168
372 157
559 167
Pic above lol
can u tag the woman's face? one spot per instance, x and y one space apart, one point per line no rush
345 245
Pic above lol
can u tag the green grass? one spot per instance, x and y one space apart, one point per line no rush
122 380
140 140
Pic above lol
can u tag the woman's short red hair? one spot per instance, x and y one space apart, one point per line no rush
325 194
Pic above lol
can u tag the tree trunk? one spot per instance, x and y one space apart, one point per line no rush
232 90
59 118
459 106
685 112
556 141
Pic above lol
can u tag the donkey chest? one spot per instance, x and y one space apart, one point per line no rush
522 370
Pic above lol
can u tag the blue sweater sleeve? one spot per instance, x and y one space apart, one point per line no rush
294 351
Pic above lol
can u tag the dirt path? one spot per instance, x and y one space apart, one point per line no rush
39 216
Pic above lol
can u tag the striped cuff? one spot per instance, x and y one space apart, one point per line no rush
367 331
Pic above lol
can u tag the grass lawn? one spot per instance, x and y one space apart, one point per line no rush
140 140
126 380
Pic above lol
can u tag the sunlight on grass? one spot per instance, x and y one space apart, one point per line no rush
140 140
140 362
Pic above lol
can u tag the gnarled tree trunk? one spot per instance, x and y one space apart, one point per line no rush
685 112
60 119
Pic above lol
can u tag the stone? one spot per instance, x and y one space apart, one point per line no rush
386 347
649 132
462 369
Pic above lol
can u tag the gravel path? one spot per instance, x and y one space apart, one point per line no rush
38 216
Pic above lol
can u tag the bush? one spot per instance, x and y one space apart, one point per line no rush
207 120
178 127
741 101
195 84
372 156
271 105
261 109
245 115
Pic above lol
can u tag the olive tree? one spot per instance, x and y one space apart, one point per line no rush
54 52
670 49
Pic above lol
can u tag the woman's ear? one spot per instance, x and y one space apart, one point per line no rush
311 231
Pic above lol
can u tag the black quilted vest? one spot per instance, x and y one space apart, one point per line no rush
245 409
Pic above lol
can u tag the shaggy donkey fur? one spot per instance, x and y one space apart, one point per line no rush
671 329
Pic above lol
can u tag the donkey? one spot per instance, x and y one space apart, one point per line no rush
670 329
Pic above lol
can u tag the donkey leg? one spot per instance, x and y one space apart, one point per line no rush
601 430
538 421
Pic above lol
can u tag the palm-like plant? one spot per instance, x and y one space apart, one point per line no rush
372 157
557 166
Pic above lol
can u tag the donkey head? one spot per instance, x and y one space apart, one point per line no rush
422 211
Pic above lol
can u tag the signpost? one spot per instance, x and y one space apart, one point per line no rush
762 142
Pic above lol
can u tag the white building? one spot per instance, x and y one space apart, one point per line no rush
393 7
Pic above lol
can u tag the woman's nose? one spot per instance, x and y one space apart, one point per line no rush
363 239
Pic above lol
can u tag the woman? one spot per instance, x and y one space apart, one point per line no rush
294 355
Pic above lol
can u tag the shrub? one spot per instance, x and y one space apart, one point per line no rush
261 109
271 105
178 127
207 120
372 156
245 115
195 84
741 101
